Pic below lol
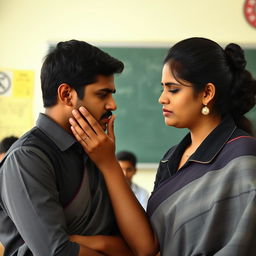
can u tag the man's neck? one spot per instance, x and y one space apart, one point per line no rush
58 115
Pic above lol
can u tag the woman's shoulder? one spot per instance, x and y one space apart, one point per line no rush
239 147
242 141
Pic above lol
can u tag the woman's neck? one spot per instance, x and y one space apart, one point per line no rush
201 130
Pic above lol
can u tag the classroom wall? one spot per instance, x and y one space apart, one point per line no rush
27 27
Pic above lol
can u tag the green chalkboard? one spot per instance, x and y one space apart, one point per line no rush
250 55
140 126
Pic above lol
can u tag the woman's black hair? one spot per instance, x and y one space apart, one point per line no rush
201 61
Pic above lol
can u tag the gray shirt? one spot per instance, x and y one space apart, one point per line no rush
50 190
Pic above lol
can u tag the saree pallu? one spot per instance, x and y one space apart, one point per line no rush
209 209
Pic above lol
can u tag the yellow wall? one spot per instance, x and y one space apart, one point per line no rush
27 26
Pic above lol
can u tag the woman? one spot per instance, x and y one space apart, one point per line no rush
204 195
203 201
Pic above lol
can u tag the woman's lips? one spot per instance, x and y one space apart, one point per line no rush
167 112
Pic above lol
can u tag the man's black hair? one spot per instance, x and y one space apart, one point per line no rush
76 63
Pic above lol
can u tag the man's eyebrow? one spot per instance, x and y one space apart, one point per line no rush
107 90
170 83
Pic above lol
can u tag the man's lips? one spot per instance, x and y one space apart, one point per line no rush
105 120
106 117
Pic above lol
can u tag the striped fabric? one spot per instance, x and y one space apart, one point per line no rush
208 207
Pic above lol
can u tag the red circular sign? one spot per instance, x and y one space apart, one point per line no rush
250 12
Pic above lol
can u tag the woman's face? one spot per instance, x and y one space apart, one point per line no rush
181 106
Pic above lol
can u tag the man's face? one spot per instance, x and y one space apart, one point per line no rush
98 99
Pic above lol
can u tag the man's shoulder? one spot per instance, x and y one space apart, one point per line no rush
32 141
35 134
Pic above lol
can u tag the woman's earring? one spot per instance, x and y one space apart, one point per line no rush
205 110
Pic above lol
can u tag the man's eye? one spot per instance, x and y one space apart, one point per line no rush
174 90
102 96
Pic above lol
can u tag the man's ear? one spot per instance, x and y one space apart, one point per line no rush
209 93
65 94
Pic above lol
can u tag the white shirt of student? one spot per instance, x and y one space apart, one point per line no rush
141 194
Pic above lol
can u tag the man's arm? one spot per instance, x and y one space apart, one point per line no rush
108 245
86 251
31 199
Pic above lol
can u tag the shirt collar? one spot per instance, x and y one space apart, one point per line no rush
55 132
213 143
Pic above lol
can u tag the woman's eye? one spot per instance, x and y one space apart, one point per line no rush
174 90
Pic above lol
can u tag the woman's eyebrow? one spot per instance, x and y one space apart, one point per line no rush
170 83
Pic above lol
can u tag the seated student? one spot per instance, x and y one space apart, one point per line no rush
127 161
6 144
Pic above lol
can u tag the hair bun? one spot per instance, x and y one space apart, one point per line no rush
235 56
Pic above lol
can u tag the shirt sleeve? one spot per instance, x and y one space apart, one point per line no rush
30 197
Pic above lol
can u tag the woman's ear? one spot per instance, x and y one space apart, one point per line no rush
209 93
65 94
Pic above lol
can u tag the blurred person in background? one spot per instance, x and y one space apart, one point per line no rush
128 162
5 144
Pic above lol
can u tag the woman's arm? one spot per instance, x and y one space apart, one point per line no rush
100 147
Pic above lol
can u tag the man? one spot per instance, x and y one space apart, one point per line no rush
6 144
128 161
50 189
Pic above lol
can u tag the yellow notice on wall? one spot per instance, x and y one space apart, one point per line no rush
16 97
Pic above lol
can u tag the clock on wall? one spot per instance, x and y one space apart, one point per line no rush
250 12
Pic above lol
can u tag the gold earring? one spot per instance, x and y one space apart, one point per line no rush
205 110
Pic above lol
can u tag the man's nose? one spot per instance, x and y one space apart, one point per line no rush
111 105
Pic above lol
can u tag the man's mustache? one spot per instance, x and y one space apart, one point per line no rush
106 114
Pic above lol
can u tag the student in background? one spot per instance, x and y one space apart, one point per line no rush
204 197
128 161
54 200
5 144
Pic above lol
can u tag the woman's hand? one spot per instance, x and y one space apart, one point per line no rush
99 146
130 216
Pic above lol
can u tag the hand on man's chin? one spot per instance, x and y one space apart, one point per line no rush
103 126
